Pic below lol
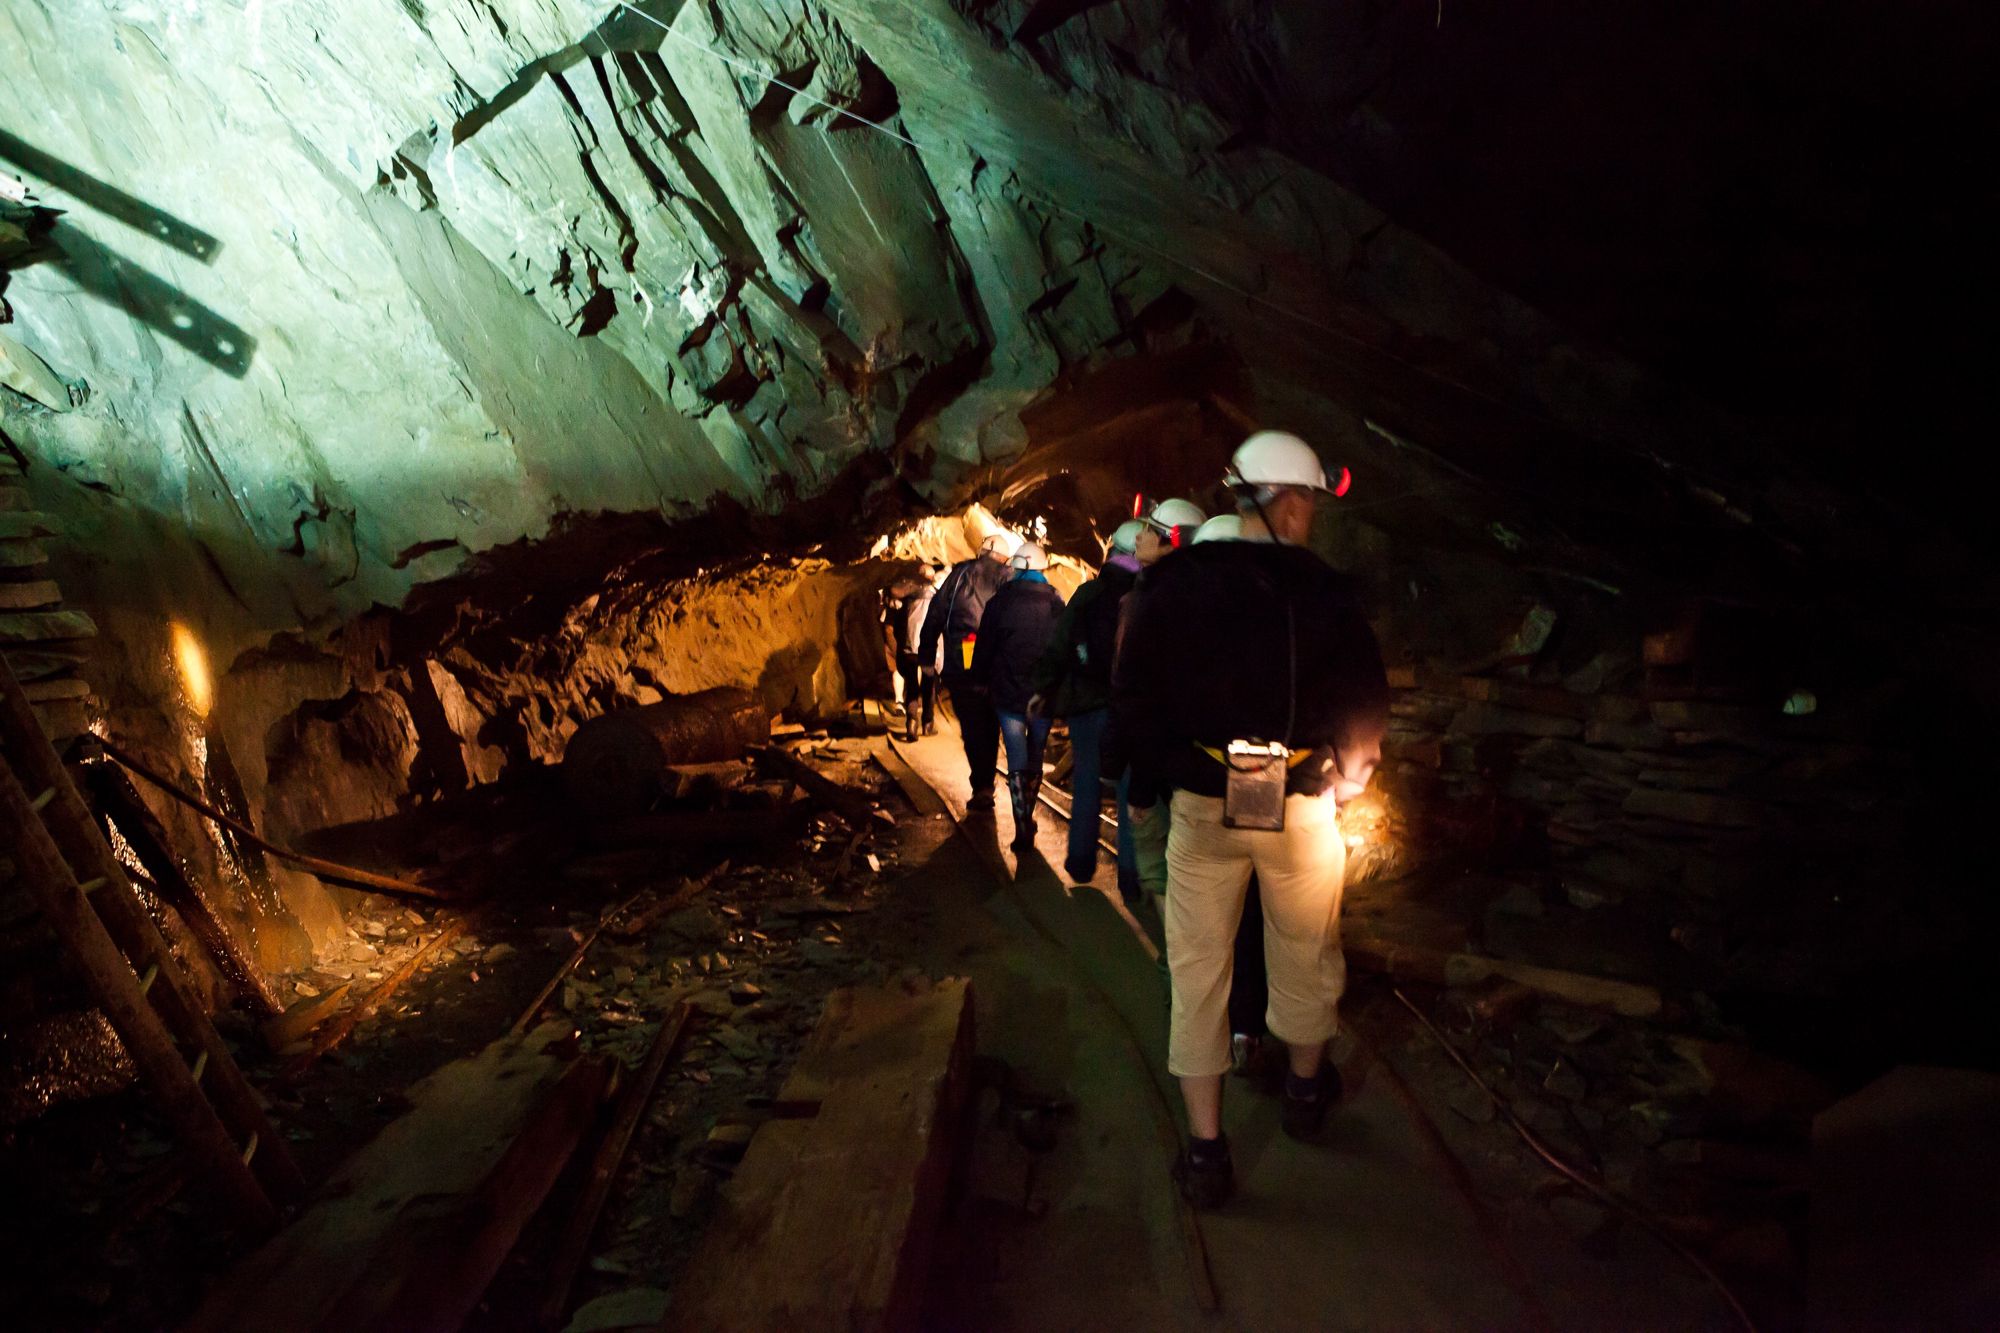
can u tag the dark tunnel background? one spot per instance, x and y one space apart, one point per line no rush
458 373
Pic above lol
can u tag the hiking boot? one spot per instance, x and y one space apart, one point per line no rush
1024 813
979 801
1305 1102
1023 789
1205 1174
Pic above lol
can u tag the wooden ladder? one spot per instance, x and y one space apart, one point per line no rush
83 892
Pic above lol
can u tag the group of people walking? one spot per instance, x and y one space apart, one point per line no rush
1224 680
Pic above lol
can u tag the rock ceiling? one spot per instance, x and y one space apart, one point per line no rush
414 278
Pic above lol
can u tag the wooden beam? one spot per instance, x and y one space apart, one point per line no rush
574 1246
921 794
67 688
114 985
85 851
119 801
16 524
45 627
412 1228
32 595
637 924
852 806
1440 968
830 1218
548 990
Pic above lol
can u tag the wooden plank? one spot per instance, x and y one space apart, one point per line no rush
118 800
298 1022
640 922
856 808
830 1219
58 688
45 626
860 1028
16 524
574 1246
18 555
32 595
43 661
109 974
409 1231
920 793
120 913
62 718
1441 968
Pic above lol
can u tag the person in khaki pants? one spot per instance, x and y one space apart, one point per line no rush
1249 683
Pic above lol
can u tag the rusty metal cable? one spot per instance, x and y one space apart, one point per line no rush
1454 1170
332 870
1646 1220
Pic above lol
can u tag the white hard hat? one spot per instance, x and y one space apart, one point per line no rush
1168 515
1278 458
1000 542
1221 528
1126 536
1029 556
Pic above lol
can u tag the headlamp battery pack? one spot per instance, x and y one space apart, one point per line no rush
1254 797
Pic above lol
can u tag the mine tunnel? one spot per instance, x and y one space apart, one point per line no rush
622 708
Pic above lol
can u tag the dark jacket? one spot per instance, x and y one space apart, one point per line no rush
956 610
1247 641
1016 630
1075 673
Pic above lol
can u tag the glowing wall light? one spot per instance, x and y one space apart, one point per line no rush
192 663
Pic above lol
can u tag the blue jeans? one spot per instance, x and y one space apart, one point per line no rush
1086 738
1024 738
1129 887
